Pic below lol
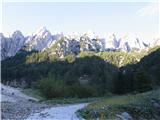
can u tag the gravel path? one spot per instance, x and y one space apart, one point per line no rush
17 106
66 112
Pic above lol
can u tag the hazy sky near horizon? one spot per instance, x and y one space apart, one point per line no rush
140 18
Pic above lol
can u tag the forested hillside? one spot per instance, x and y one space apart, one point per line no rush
99 73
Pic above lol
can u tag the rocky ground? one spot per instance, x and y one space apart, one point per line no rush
65 112
20 110
16 105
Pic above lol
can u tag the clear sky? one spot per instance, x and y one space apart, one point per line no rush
140 18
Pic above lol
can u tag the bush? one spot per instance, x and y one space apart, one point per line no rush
82 91
142 81
52 88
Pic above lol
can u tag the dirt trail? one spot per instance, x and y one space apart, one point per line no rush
66 112
17 105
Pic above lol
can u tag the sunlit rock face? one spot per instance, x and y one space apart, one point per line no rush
40 40
156 41
91 42
10 46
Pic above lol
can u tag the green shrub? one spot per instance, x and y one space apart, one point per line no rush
82 91
141 81
52 88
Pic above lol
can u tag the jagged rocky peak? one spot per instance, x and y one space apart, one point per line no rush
17 41
57 35
131 41
90 34
42 32
17 35
1 35
91 42
40 40
10 46
111 41
73 35
156 41
2 41
2 38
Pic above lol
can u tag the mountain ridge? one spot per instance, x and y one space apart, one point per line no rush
43 39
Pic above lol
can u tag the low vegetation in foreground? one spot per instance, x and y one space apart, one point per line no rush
139 106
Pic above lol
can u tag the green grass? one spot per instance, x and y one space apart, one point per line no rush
34 93
70 100
138 105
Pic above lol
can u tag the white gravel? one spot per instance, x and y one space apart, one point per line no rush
15 105
66 112
10 94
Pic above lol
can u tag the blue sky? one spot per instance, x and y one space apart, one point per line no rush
80 0
140 18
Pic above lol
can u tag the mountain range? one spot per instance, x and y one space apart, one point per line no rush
63 45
